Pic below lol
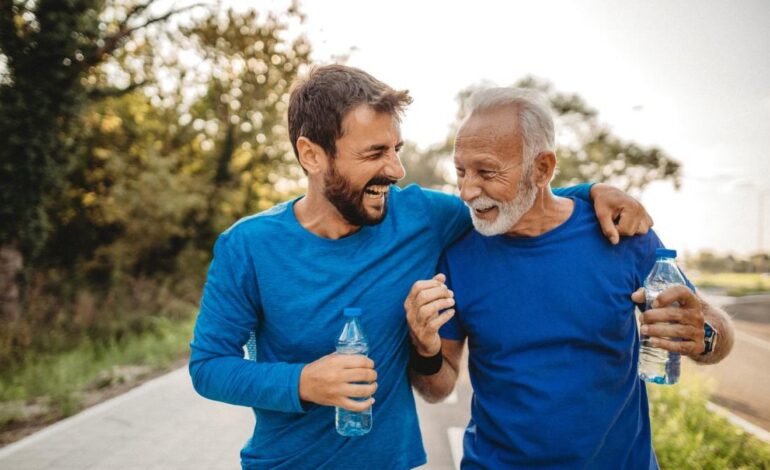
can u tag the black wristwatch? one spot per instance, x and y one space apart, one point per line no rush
709 338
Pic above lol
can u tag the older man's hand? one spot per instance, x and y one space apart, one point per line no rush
619 213
423 304
675 328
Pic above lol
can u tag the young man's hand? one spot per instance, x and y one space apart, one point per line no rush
618 213
333 379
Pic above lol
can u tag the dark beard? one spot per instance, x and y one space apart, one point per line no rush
349 201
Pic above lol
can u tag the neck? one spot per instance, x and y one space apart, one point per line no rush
547 213
316 214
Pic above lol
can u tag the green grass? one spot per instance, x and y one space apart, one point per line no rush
686 435
735 284
58 380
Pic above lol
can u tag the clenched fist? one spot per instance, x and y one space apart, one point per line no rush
422 305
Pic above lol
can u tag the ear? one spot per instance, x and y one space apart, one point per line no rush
311 156
544 167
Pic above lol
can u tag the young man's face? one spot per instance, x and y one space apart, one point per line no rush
367 163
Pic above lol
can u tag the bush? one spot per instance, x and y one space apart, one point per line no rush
62 313
46 386
686 435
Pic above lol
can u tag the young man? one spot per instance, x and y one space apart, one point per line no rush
353 240
545 304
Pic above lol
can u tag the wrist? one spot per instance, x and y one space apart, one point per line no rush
425 365
304 387
426 351
710 336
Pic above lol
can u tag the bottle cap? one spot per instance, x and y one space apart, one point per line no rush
665 253
352 312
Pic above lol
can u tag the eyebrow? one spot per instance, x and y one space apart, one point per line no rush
489 161
484 161
381 147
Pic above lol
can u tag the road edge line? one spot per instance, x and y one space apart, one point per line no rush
749 428
455 436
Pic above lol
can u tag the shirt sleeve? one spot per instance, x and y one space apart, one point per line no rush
449 217
453 328
580 191
229 313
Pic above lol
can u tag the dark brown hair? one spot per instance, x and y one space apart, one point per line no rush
319 103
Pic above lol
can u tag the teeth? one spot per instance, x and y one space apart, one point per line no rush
376 192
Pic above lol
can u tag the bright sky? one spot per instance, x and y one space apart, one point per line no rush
692 77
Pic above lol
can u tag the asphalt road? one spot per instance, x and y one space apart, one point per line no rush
742 380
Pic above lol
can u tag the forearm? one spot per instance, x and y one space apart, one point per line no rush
721 321
436 387
234 380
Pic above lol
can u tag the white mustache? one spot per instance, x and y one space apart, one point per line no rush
482 202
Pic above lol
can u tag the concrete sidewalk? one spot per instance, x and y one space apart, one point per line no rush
162 424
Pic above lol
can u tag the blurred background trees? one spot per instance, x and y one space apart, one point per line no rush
132 135
587 150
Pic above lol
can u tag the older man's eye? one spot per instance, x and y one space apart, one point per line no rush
486 174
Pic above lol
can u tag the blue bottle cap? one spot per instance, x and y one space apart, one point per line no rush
665 253
352 312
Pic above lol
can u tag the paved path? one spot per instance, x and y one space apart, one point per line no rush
161 424
164 425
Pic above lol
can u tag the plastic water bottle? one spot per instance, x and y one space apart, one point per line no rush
657 365
352 341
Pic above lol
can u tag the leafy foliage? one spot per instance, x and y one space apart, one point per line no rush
172 131
686 435
587 150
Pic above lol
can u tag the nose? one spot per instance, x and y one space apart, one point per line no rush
469 190
394 169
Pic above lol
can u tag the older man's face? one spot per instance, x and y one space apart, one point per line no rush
494 181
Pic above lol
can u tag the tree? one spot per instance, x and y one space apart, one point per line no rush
587 150
239 122
161 169
47 47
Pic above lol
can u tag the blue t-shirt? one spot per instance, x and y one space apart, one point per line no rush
553 346
273 277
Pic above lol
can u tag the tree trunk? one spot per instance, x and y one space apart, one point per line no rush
10 266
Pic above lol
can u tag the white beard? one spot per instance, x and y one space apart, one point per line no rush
509 212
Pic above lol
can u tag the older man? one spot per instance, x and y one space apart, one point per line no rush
545 303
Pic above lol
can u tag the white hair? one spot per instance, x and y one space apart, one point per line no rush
535 118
